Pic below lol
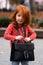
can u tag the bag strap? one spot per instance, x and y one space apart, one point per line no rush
23 29
19 33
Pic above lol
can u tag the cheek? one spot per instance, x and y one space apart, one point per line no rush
16 18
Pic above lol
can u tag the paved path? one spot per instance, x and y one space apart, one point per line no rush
5 52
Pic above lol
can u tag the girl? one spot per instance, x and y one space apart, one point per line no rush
20 18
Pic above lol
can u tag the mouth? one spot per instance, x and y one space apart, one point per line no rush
19 21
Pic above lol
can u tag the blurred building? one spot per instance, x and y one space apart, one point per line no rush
11 4
4 4
27 3
0 4
39 5
36 8
32 6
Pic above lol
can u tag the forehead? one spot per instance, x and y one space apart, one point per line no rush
19 13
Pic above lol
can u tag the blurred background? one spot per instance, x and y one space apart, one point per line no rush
37 5
7 8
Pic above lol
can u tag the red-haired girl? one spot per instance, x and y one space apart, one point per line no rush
20 19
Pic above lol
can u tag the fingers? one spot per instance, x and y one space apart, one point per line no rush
27 39
19 37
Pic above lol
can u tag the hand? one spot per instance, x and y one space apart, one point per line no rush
19 37
27 39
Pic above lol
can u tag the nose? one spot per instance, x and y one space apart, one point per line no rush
20 18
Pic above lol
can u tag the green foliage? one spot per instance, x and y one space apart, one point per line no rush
4 21
41 24
33 20
36 22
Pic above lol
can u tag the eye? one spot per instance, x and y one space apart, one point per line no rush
19 15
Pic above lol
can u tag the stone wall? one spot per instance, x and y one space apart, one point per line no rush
39 32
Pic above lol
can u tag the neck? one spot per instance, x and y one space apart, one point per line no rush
19 25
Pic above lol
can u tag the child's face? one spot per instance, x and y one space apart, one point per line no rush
19 18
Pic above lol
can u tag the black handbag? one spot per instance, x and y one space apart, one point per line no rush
22 52
25 46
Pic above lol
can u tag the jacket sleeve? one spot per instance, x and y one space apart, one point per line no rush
7 34
32 33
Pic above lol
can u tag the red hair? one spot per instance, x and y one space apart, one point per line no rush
25 13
